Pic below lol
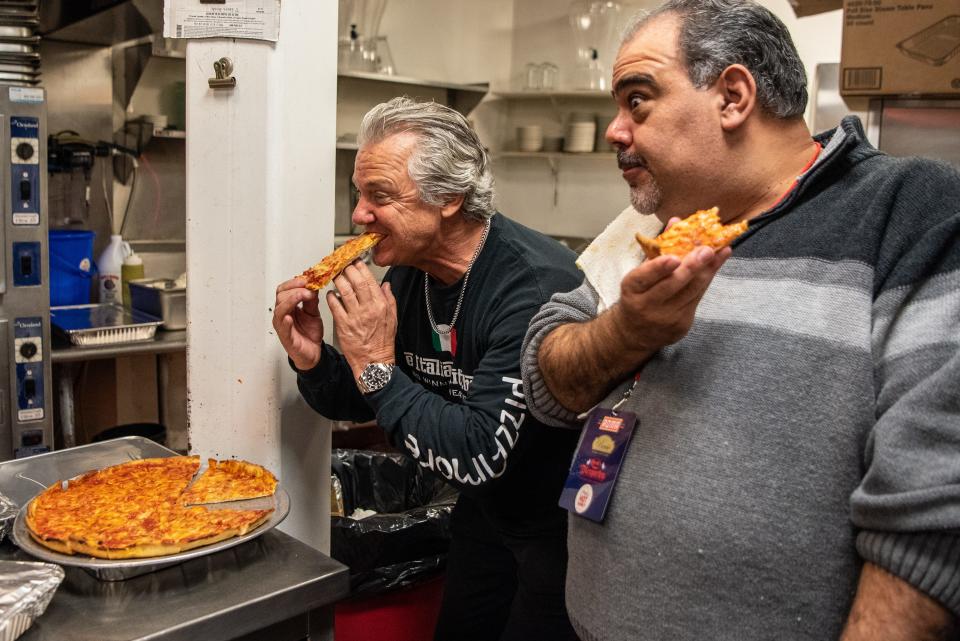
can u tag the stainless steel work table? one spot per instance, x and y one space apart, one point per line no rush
273 588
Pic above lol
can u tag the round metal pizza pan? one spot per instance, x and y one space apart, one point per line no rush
121 569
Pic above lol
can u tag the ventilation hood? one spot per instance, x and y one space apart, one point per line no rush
100 22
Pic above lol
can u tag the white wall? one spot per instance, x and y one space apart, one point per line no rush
454 40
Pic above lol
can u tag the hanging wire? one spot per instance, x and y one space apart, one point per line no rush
133 186
156 191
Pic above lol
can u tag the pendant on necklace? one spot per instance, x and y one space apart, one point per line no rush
444 341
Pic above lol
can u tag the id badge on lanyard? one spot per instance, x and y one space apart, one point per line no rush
596 464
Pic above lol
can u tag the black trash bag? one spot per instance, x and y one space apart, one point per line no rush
406 541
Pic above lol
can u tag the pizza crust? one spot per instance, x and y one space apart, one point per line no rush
133 510
702 228
322 273
141 551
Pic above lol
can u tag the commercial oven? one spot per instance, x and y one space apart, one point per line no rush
26 415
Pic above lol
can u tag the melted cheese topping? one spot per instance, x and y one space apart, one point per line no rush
327 269
130 510
702 228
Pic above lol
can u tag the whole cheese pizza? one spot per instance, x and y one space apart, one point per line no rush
327 269
702 228
138 509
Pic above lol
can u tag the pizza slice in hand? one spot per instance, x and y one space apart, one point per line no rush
229 481
327 269
700 229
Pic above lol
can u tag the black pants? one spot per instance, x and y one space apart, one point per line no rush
502 588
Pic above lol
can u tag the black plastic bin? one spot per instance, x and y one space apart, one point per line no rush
406 541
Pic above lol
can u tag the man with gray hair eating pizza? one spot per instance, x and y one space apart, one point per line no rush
433 354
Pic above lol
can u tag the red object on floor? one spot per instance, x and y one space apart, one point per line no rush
409 614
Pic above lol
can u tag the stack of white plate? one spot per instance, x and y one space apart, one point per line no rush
580 136
530 138
19 44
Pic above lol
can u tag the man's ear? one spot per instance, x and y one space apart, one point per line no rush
452 207
739 92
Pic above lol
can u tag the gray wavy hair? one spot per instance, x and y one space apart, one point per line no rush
715 34
449 160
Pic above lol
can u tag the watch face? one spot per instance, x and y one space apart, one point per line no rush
374 377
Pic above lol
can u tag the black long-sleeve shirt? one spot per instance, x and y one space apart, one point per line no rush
460 409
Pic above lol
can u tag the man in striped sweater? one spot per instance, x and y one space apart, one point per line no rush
795 468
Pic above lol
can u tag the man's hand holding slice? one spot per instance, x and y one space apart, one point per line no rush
296 315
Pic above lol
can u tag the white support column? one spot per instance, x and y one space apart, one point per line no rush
260 194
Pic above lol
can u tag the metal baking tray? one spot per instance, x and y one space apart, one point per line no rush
23 479
104 324
123 569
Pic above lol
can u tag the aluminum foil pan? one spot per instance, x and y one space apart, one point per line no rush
123 569
103 324
8 512
25 591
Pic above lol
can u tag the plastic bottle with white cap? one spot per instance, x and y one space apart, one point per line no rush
109 268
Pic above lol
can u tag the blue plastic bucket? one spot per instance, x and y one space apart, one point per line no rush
71 266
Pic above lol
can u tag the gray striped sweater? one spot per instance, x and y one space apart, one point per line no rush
810 419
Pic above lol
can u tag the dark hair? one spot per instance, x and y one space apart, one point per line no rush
715 34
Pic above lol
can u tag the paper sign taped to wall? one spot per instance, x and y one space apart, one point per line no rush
258 19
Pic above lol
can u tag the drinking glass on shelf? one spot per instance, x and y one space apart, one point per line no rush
548 76
533 77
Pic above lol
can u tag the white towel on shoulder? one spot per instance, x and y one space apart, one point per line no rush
615 252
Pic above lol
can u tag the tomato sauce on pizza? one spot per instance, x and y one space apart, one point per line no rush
322 273
702 228
136 510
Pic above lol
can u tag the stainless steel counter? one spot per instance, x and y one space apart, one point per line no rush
274 586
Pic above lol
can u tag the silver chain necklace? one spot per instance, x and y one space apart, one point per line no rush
442 329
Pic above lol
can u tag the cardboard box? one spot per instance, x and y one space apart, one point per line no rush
900 47
803 8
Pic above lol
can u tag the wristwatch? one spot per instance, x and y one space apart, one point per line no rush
374 377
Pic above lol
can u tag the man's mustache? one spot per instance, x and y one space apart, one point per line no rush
626 160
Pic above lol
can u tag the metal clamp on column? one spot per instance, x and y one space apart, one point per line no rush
223 68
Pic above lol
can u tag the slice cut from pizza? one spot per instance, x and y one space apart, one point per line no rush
230 481
702 228
327 269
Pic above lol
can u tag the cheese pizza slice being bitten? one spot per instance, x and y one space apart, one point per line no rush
700 229
322 273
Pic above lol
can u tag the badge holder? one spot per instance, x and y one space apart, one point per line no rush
596 464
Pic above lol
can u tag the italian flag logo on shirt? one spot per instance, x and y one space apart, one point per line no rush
445 342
